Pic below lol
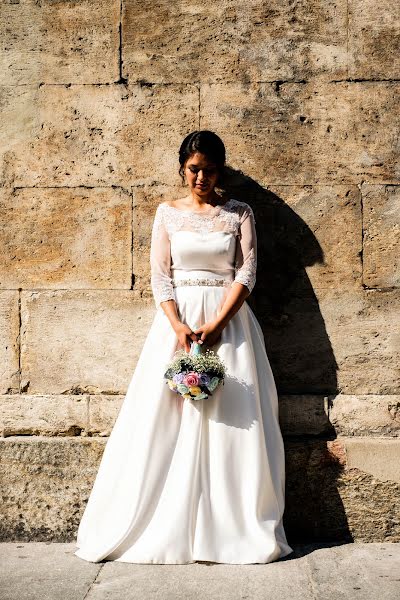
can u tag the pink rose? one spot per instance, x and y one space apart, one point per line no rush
191 379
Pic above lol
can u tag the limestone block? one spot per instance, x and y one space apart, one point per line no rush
93 340
9 348
103 412
146 198
365 415
381 223
306 133
374 39
46 415
331 496
331 492
72 238
45 483
59 42
379 457
97 135
337 341
340 414
366 344
230 40
304 414
19 125
332 216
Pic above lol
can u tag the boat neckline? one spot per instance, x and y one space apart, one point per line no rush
198 212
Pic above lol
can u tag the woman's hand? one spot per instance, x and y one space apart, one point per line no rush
185 335
210 333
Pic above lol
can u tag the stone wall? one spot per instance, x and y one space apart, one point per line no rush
95 99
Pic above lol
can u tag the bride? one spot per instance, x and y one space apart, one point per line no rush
188 481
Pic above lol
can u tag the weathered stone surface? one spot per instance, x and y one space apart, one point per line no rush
374 39
337 341
365 344
146 198
230 41
9 349
333 216
34 570
74 238
97 135
326 498
306 133
49 415
95 415
46 483
92 340
19 125
378 457
343 572
367 415
340 414
103 412
381 223
59 42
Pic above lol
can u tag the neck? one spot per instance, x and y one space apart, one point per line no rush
200 200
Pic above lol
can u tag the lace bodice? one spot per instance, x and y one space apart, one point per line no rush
220 242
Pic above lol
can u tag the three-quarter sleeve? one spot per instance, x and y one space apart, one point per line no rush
160 261
246 250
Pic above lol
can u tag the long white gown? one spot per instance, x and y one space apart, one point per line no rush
204 480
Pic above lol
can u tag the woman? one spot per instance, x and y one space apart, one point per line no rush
203 480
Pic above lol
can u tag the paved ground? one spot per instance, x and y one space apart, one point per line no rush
49 571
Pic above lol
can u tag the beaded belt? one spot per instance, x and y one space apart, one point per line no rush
201 281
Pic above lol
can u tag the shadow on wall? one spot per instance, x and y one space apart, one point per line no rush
300 354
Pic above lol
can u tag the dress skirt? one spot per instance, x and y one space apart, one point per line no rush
182 480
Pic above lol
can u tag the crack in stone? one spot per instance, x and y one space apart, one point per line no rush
144 83
121 79
86 596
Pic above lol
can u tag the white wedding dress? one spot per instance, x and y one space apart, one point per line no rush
201 480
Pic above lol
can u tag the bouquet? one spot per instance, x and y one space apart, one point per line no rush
194 375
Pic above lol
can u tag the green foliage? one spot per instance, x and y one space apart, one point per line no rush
209 363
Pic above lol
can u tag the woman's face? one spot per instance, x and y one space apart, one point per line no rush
201 173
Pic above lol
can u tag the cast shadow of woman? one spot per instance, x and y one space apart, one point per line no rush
303 363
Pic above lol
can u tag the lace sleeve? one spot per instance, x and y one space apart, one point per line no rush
160 261
246 250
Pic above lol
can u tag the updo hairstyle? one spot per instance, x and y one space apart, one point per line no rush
207 143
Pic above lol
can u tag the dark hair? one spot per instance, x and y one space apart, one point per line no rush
207 143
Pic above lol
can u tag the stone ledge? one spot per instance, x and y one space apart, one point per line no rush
82 346
347 488
300 415
341 414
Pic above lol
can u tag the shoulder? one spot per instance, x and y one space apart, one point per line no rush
164 217
242 208
162 206
170 203
165 203
160 214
